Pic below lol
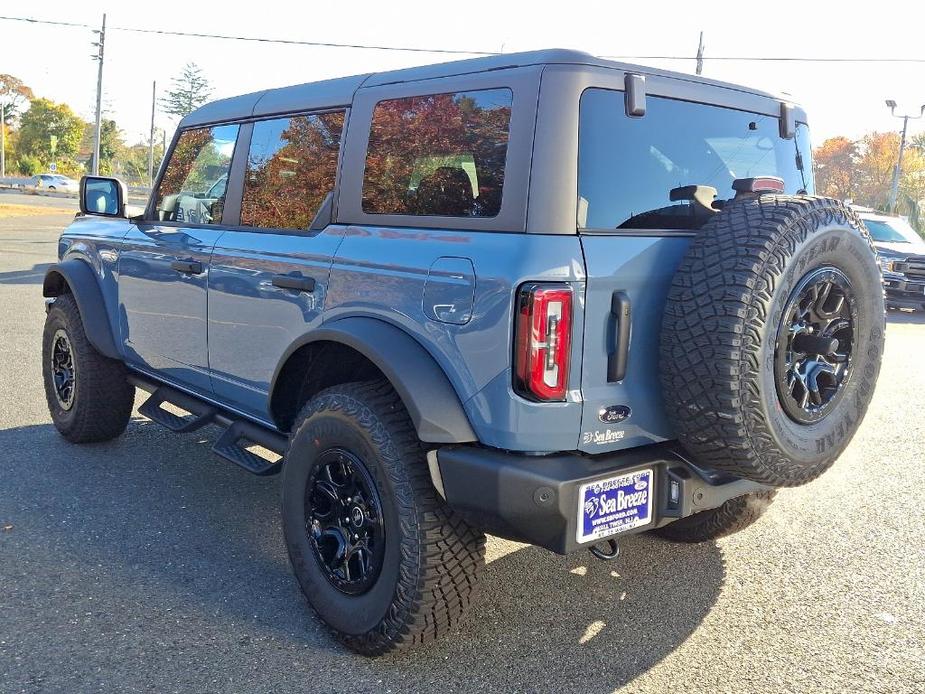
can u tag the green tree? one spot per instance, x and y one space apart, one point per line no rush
133 164
111 145
189 91
13 95
49 132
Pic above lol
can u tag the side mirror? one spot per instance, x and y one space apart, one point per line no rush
102 196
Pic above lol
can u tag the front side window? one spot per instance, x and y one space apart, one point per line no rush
192 189
628 167
291 167
439 154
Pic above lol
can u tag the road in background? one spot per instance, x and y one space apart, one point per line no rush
148 564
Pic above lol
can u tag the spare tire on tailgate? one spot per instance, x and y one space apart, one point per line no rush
772 337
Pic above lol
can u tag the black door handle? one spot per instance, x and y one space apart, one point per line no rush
297 282
187 267
616 360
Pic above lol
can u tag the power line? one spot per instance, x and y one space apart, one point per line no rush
294 42
257 39
451 51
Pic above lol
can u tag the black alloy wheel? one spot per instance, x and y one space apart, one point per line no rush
343 520
63 370
815 341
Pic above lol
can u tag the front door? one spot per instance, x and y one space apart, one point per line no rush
164 263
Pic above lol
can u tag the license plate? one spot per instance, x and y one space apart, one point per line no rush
614 505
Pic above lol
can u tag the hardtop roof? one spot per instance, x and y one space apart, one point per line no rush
339 92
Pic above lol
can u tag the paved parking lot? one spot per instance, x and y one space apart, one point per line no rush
147 564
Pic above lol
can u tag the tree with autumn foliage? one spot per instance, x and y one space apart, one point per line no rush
14 94
836 171
862 170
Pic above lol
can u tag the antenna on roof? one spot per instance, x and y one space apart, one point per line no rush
700 55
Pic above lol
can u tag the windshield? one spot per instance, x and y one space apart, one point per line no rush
628 167
891 231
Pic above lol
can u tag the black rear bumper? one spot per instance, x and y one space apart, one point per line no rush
534 499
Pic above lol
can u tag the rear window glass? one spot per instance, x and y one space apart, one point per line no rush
439 154
627 167
291 168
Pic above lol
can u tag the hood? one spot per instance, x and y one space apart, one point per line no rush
899 250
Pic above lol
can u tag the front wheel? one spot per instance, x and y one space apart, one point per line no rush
382 559
89 396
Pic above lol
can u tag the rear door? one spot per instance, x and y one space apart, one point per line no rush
269 275
164 263
635 223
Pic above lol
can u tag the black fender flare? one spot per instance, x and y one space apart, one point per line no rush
79 278
432 402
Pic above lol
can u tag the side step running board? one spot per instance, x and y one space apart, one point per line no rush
232 446
235 443
200 413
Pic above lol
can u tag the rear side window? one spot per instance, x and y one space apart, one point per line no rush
291 167
627 167
439 154
192 189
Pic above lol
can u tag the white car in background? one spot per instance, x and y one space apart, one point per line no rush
53 182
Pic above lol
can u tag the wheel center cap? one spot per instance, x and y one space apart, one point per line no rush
357 517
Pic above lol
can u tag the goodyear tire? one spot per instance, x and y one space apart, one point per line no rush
772 338
382 559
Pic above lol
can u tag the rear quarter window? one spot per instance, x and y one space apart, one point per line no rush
438 154
627 167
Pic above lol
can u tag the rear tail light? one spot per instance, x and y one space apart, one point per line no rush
543 341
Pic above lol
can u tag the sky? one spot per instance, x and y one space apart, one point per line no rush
840 98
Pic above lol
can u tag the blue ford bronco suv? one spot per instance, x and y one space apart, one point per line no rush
542 295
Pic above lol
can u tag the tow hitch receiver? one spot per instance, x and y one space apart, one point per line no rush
607 550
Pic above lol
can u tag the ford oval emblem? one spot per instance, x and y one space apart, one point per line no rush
614 414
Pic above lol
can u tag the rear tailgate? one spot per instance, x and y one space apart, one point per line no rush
646 184
628 412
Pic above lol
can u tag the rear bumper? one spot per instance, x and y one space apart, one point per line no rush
534 499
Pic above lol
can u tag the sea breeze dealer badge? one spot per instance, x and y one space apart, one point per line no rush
614 505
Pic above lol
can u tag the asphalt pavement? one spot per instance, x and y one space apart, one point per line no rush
148 564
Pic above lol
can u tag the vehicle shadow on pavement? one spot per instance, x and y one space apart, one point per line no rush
541 613
153 526
34 276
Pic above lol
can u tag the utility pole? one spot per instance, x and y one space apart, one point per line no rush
99 95
897 170
151 138
700 55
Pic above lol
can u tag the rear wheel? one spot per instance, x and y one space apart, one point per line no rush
89 396
733 516
772 338
379 555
